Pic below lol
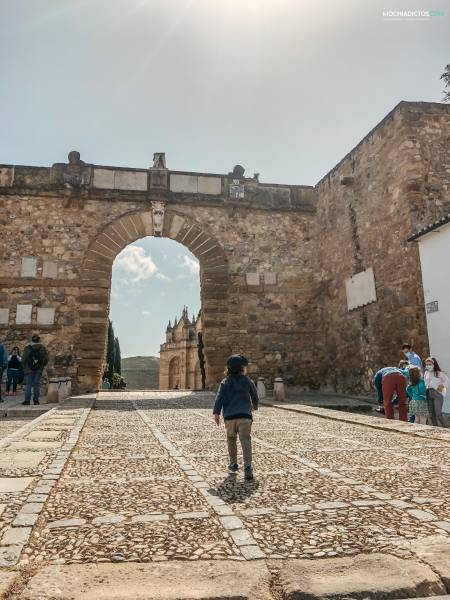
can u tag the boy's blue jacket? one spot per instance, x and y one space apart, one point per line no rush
237 397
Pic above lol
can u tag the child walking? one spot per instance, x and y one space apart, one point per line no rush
237 398
416 390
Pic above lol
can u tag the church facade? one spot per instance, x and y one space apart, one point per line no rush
179 366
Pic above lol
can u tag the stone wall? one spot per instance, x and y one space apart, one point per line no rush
276 262
396 179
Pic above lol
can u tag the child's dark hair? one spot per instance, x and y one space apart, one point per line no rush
234 371
415 375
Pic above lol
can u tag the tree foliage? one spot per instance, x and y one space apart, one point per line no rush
201 358
446 79
113 356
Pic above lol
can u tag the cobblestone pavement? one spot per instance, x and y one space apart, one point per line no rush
143 478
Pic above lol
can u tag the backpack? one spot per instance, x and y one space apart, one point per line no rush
34 359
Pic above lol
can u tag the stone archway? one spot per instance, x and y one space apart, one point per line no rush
96 275
174 373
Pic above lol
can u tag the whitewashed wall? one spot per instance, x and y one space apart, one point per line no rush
435 262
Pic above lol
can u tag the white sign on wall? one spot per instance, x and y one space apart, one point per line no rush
23 314
360 289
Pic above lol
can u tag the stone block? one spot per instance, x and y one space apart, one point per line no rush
15 535
66 523
196 514
242 537
149 518
199 580
270 278
45 316
4 316
130 180
252 552
39 434
422 515
107 520
6 580
6 176
210 185
435 551
363 576
24 520
10 485
104 179
23 314
32 508
9 555
183 183
50 269
252 278
176 226
29 266
231 522
20 460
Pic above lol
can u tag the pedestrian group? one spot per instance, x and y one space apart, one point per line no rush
418 388
26 367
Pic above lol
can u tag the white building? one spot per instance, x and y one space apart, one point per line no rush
434 249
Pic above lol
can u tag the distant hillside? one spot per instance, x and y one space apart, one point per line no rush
141 372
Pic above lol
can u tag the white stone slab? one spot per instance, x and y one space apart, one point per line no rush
24 445
23 314
147 220
38 434
252 278
45 316
184 183
14 484
50 269
6 176
210 185
29 266
270 278
104 179
16 535
4 316
130 180
20 460
360 289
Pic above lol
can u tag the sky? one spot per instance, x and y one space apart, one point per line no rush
284 87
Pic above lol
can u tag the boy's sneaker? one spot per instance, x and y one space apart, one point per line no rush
233 467
248 473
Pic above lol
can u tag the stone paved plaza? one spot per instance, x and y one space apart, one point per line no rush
141 478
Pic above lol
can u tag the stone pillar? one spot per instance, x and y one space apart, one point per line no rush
52 392
278 389
261 388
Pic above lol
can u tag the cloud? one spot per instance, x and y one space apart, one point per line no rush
134 261
161 276
146 313
190 264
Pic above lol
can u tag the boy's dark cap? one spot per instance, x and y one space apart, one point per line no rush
237 360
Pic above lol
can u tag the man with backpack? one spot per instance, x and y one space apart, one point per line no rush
35 358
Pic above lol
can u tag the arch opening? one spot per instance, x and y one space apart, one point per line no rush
96 276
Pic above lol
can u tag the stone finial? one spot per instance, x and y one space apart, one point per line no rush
256 177
74 158
159 160
238 172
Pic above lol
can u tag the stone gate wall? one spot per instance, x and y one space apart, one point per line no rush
279 265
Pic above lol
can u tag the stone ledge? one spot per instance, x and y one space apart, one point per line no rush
212 580
368 576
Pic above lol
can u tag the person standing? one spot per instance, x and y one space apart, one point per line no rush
35 359
416 390
106 385
237 398
391 381
3 365
412 358
13 373
436 382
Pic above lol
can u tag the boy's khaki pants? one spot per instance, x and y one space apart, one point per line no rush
243 429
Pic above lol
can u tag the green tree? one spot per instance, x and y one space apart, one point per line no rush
446 79
117 357
201 358
110 351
